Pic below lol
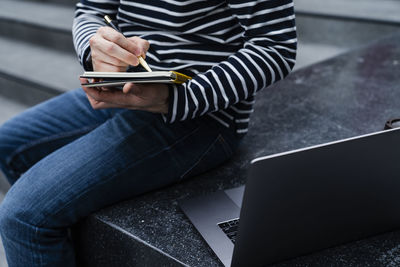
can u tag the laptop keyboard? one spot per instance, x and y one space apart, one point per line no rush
230 228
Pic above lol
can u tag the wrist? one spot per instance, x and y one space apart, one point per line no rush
165 106
164 109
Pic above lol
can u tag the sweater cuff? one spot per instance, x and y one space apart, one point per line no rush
86 60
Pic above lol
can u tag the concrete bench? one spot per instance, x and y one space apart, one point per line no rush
351 94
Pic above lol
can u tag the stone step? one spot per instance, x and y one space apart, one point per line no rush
309 53
38 23
8 109
340 33
57 2
386 11
31 73
320 38
383 11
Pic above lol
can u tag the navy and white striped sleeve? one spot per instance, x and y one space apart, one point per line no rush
268 55
88 18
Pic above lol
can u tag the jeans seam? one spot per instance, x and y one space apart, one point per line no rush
39 258
225 145
42 222
35 258
200 158
54 137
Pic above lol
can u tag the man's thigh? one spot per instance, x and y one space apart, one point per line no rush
131 153
35 133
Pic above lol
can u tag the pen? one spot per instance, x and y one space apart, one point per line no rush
112 25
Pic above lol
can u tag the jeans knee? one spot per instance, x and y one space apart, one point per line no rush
3 144
6 143
9 143
13 221
5 150
6 219
3 153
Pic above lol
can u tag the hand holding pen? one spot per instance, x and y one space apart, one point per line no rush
113 52
142 62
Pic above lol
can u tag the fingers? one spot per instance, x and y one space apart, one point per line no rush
99 98
102 44
104 66
100 105
108 46
143 45
100 56
117 38
94 103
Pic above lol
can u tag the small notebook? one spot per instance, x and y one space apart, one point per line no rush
112 79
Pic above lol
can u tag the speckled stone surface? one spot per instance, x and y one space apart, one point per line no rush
349 95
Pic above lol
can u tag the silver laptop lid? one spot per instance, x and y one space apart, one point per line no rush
305 200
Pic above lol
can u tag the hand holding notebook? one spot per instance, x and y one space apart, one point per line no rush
152 97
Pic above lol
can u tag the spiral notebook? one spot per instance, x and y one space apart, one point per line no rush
112 79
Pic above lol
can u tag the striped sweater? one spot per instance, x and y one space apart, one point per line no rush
231 48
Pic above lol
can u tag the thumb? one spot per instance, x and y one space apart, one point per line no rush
132 89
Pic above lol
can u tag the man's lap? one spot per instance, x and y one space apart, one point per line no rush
123 153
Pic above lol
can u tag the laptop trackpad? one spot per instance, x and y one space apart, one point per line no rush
236 195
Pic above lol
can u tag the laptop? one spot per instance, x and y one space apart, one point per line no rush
305 200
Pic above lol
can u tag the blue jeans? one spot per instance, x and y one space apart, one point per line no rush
66 160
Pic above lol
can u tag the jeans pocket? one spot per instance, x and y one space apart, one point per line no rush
217 153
